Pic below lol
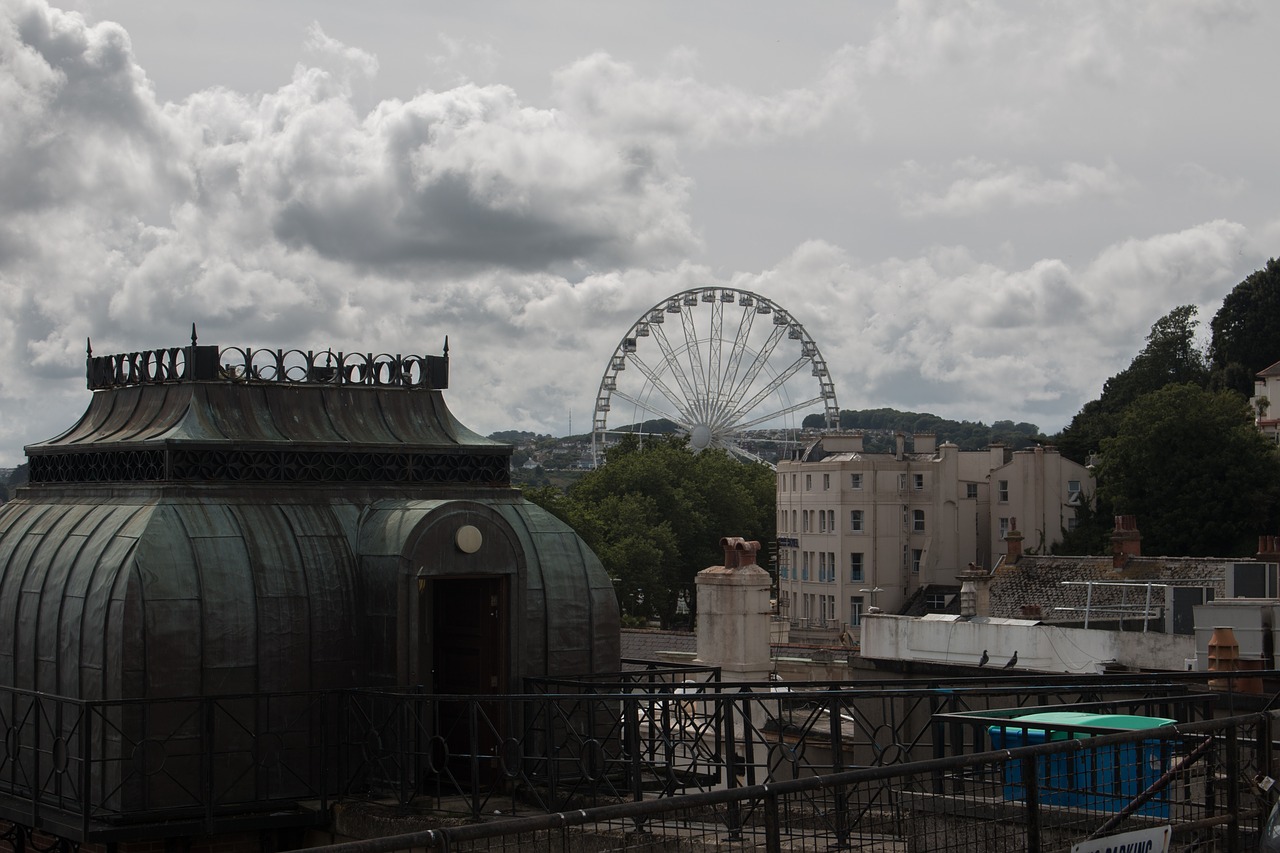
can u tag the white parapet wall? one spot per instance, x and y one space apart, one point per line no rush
956 641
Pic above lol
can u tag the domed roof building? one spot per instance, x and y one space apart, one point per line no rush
248 522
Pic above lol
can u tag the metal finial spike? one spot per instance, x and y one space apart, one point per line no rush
88 347
446 346
193 334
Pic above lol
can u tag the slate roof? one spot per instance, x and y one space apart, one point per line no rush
1037 580
646 643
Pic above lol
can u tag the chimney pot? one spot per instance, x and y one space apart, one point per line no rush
739 552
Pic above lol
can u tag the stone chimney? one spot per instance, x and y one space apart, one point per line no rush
1126 541
1269 549
925 442
899 445
1013 542
733 613
975 591
842 443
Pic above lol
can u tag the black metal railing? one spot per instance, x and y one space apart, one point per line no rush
95 770
1191 781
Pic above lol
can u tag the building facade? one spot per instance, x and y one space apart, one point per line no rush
1266 401
858 529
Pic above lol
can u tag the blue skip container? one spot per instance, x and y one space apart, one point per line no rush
1103 778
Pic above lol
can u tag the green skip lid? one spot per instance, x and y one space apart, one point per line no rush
1073 719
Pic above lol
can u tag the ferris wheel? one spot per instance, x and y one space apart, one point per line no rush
717 362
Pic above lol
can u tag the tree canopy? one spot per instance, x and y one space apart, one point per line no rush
968 435
1246 330
655 512
1170 357
1191 465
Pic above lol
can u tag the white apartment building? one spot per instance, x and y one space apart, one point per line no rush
859 529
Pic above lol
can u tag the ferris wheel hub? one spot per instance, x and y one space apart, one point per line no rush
699 437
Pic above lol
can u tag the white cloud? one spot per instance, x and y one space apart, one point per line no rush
534 234
986 185
604 93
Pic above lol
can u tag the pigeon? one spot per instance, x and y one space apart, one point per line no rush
1013 661
982 661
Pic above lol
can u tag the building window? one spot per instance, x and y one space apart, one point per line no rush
822 521
916 556
918 482
1004 527
822 567
1072 523
782 482
804 567
831 520
935 602
855 520
793 520
1073 487
1004 491
793 482
917 520
831 561
808 482
902 482
855 610
971 490
855 481
826 482
855 567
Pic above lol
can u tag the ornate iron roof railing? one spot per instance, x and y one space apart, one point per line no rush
196 363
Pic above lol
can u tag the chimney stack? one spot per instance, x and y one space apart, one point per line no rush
925 442
900 445
1013 542
1126 541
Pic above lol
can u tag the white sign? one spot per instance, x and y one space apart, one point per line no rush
1140 841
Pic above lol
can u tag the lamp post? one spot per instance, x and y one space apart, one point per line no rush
872 591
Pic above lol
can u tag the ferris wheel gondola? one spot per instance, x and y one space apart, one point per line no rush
716 362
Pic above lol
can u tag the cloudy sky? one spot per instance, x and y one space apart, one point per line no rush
977 209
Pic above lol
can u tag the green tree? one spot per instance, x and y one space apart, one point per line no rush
1170 357
1246 330
1092 533
1189 463
655 512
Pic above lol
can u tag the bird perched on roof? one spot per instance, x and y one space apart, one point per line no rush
982 661
1013 661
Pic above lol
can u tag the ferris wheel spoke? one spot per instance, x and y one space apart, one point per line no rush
673 361
772 385
682 422
761 358
765 418
739 346
657 381
697 370
715 382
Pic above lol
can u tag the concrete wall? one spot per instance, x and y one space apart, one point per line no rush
1040 648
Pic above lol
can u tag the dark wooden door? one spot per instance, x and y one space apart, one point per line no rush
470 659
